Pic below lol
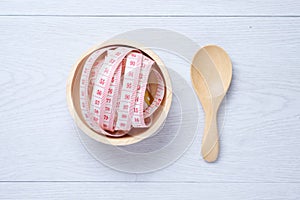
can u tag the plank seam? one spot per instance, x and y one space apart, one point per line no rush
150 16
166 182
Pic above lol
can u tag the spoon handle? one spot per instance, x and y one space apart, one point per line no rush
210 141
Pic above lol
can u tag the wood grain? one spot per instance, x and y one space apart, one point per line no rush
189 191
261 130
151 8
260 134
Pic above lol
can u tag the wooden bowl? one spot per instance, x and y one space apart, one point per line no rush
136 134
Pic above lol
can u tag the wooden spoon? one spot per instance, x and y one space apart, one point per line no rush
211 73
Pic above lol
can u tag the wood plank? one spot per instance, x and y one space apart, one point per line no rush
174 191
155 7
260 137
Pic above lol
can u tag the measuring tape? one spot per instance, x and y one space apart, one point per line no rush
113 85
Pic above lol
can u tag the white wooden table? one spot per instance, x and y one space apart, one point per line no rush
41 156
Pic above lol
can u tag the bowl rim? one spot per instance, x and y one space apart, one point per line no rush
120 141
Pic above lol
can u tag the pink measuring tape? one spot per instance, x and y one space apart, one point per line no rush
112 90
